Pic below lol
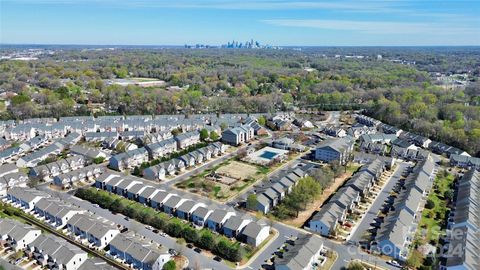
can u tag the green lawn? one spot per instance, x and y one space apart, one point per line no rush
434 216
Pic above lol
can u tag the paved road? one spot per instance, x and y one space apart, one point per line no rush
377 204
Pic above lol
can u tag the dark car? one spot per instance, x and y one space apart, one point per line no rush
218 259
173 252
189 245
198 250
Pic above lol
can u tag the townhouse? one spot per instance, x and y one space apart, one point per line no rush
466 162
254 234
335 150
138 254
54 212
378 138
162 148
186 209
217 218
15 179
55 253
32 159
396 233
85 174
345 200
25 198
95 232
128 159
17 235
187 139
462 242
302 254
233 227
48 171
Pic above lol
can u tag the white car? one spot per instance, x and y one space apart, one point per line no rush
394 263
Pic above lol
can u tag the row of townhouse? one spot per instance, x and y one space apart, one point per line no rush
47 250
137 253
408 154
462 242
91 231
417 140
346 199
271 195
465 161
301 254
85 174
33 158
128 159
177 165
48 171
10 176
238 135
396 233
132 188
52 211
357 130
16 235
374 148
118 144
338 149
82 228
132 158
378 138
334 131
12 153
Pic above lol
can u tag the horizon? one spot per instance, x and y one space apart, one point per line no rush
346 23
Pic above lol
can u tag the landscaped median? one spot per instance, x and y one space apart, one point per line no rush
220 245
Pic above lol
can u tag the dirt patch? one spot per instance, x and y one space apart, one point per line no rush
238 170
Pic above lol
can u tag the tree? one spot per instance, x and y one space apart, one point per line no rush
190 234
355 266
214 136
204 134
98 160
170 265
262 120
207 241
252 202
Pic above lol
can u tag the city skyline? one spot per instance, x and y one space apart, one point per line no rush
278 23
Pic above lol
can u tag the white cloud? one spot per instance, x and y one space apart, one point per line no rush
376 27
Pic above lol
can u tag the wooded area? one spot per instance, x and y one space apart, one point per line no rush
399 92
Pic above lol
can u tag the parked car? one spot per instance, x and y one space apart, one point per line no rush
394 263
189 245
148 227
173 252
218 259
198 250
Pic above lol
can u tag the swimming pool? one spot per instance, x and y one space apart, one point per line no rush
268 155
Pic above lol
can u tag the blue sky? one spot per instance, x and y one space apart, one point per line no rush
276 22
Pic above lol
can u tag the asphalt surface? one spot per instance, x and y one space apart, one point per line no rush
378 203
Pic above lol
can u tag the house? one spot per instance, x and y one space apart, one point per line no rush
465 161
273 196
138 254
146 195
95 232
217 218
186 209
56 253
334 150
301 254
200 215
188 160
156 172
162 148
96 264
234 225
17 235
134 191
56 213
254 234
238 135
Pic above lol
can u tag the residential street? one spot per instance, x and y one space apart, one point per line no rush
377 204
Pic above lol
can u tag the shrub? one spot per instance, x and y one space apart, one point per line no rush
430 204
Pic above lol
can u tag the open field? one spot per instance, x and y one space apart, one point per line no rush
225 180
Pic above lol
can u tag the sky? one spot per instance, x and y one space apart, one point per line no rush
215 22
